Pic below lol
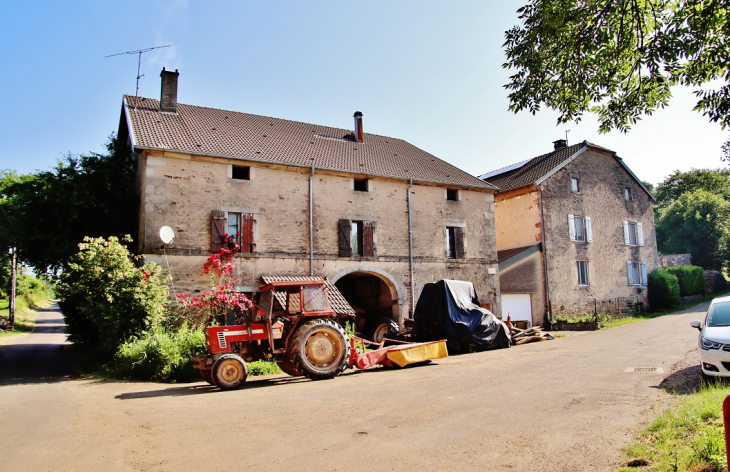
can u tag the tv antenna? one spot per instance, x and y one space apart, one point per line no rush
566 136
139 60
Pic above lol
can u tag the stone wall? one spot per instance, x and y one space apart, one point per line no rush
601 197
181 191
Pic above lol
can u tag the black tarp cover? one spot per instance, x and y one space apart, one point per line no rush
449 309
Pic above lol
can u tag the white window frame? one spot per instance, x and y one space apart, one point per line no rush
587 278
574 185
637 269
638 231
587 234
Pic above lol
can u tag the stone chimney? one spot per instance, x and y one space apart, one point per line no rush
358 126
560 144
168 95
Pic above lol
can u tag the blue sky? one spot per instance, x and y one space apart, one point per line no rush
428 72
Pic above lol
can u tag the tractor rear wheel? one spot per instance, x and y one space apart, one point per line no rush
319 349
229 372
383 328
288 367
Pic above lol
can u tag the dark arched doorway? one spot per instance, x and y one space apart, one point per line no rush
374 300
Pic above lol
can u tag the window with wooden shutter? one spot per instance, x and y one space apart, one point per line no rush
459 243
248 244
218 228
344 238
368 246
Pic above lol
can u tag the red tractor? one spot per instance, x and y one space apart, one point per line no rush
300 332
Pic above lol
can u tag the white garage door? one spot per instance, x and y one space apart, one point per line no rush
517 306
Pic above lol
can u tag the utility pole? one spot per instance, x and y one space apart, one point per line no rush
11 305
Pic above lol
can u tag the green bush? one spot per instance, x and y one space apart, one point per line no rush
27 285
106 298
663 289
691 279
160 354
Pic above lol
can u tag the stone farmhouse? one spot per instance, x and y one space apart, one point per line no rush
374 215
575 234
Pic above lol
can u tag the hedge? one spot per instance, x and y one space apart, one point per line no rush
663 289
691 279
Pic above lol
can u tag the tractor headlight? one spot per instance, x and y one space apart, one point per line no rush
708 344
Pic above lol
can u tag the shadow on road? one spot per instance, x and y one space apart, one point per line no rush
198 388
35 364
683 381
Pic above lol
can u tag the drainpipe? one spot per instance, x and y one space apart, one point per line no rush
410 248
544 259
311 224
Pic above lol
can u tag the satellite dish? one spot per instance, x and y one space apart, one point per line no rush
167 235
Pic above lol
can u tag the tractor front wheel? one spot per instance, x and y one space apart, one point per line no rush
229 372
319 349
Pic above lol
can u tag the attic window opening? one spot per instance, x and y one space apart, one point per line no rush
452 194
361 185
241 173
574 187
627 194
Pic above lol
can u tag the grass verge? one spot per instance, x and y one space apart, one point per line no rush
647 316
688 437
26 307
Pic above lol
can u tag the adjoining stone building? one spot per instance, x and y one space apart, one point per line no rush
375 215
575 234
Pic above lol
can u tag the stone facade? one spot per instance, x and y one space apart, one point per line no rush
182 190
612 204
601 197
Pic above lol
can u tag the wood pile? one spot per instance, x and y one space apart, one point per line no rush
530 335
5 325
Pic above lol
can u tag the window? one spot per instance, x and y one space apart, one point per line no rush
356 238
455 242
580 229
627 194
583 273
633 234
361 185
574 185
239 225
452 194
637 273
241 173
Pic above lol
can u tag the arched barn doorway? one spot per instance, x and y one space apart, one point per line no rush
375 300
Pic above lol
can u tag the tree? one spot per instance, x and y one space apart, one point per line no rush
106 298
696 223
52 211
619 58
715 181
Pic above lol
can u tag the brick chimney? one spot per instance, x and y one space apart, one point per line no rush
168 95
358 126
560 144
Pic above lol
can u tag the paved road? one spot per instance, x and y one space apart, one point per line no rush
563 405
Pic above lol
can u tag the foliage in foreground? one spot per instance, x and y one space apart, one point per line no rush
690 436
159 354
106 299
618 59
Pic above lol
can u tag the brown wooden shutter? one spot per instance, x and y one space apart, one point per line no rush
248 245
344 238
218 227
368 247
459 243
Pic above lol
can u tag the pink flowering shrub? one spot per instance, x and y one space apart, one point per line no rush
221 299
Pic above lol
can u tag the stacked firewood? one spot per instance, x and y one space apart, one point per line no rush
530 335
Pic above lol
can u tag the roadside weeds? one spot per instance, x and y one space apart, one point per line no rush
26 309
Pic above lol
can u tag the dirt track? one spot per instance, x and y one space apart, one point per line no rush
563 405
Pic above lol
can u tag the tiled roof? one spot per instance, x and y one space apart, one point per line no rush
510 253
531 170
338 303
213 132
